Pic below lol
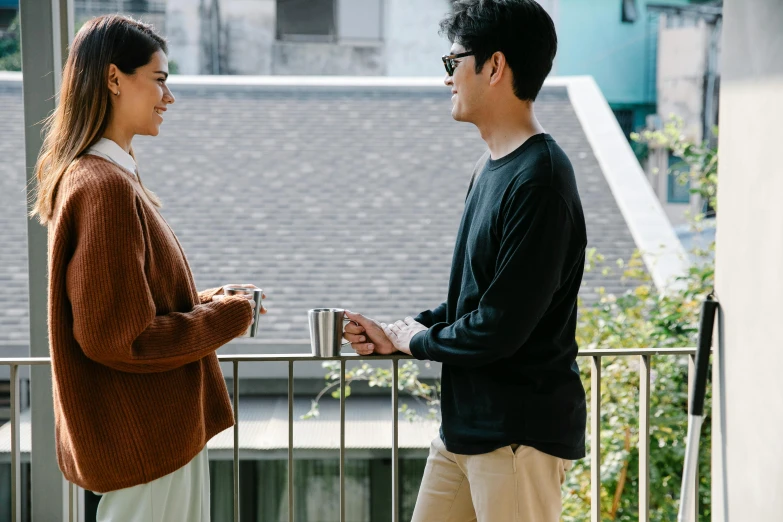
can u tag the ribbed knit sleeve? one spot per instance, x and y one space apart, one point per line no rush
205 296
115 320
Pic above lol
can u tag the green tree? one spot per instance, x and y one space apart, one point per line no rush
10 47
640 318
698 161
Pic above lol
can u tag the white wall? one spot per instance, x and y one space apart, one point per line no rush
410 44
249 32
682 64
413 46
183 32
747 452
360 19
553 8
327 59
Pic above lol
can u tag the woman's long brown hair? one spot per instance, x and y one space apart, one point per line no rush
84 108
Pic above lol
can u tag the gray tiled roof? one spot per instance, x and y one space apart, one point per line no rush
348 198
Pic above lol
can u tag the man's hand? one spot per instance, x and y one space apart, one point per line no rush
366 335
401 333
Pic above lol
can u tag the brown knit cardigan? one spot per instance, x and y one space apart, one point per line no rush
137 386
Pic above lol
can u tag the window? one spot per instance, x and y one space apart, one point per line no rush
630 12
676 191
8 10
306 20
625 119
329 20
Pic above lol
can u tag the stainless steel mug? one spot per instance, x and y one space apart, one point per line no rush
256 293
326 331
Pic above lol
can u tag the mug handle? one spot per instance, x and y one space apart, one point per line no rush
346 320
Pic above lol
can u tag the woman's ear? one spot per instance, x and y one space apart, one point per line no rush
114 80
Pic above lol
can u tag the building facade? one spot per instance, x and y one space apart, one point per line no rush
313 37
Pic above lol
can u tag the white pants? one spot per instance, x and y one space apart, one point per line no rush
181 496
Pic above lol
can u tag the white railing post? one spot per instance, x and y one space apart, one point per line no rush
290 441
644 437
342 440
595 439
395 442
16 467
236 440
694 494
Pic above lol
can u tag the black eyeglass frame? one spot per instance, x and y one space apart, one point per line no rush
448 61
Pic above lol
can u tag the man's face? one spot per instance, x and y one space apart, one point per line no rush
466 86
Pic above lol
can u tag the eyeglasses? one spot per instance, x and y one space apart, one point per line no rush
448 61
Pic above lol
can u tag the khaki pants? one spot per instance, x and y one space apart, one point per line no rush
511 484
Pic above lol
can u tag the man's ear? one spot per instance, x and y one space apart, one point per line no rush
499 68
113 79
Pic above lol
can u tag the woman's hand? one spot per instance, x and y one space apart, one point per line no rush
220 295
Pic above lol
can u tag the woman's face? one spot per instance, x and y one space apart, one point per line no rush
143 97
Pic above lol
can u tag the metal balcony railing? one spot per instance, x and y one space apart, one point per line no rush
645 356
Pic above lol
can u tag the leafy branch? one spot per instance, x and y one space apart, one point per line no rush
698 161
427 395
10 47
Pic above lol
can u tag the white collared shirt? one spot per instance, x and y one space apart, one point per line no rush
109 150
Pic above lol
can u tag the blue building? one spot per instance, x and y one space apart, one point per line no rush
8 9
615 41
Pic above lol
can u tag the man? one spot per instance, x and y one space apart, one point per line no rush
513 405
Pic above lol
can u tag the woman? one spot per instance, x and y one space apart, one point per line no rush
138 391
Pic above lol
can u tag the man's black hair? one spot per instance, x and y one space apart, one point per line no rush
520 29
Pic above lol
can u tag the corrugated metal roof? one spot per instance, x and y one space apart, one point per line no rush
263 426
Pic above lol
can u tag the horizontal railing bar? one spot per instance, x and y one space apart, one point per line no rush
625 352
24 361
273 357
606 352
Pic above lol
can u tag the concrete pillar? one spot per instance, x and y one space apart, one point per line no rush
748 397
46 29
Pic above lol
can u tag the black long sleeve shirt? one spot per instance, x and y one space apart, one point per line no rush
506 333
